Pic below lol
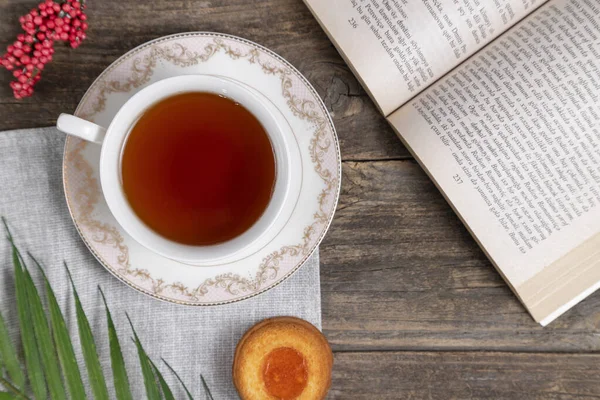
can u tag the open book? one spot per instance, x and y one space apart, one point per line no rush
499 101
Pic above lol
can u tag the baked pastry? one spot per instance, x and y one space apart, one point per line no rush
282 358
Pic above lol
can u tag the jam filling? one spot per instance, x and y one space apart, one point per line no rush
285 373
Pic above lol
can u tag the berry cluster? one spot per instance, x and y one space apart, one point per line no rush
51 21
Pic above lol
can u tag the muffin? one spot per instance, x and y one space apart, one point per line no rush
282 358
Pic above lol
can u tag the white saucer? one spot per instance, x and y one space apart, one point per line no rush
270 75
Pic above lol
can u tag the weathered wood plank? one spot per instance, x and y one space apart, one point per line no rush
465 375
116 26
399 270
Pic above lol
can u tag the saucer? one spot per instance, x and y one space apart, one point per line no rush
236 279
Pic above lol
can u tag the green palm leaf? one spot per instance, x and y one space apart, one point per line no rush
62 341
152 389
8 357
48 348
121 381
88 346
166 390
32 358
189 395
206 388
44 339
32 355
16 393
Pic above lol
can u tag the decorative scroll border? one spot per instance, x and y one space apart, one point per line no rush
141 72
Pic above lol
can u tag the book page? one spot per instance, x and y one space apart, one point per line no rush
399 47
512 138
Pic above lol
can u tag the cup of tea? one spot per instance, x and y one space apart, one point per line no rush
200 169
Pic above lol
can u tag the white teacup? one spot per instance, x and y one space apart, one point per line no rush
287 157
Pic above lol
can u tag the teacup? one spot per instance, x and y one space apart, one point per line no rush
113 138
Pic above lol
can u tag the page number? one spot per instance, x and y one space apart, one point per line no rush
457 179
353 23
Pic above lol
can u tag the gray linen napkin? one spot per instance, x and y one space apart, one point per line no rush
193 340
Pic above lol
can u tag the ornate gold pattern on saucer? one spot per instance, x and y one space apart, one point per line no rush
217 54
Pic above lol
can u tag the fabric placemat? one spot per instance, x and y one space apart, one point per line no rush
194 340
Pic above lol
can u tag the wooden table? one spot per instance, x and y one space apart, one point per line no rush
411 306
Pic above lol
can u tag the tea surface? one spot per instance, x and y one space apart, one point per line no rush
198 169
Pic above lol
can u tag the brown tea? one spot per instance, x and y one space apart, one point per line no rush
198 169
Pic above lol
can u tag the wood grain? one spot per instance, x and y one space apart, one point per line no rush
116 26
399 270
465 375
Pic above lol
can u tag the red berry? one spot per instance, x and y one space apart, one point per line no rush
62 20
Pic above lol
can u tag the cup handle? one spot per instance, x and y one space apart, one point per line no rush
76 126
